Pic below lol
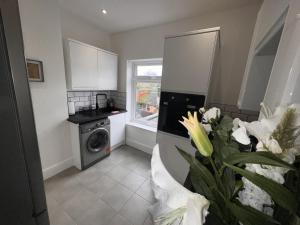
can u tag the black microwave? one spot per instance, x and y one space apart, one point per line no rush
175 105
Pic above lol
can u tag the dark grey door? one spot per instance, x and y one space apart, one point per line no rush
22 196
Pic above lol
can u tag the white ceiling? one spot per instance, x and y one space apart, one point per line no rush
131 14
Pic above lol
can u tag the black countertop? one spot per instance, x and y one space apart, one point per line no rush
93 115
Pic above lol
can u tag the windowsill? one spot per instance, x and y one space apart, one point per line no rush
142 126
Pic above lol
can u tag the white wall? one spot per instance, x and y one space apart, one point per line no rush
284 79
268 17
236 34
43 41
76 28
140 138
269 13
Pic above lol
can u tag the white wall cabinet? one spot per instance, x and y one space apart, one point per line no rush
89 68
188 60
108 70
117 130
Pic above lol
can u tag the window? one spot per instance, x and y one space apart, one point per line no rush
146 91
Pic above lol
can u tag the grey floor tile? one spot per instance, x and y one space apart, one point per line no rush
143 170
59 217
89 176
98 214
63 191
102 185
79 204
105 165
117 197
93 196
52 204
118 173
133 181
117 156
136 210
146 192
61 180
119 220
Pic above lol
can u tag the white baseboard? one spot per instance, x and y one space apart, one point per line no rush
57 168
139 146
117 145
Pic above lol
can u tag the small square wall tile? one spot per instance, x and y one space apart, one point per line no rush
240 116
231 108
249 112
83 99
218 105
70 94
227 114
75 99
77 94
252 118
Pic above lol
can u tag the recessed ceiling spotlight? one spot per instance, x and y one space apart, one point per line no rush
104 11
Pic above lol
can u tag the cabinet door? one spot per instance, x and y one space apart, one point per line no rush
84 66
108 70
188 62
117 129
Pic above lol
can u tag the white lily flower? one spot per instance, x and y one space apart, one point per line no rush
251 194
202 110
273 146
258 129
236 123
207 128
212 113
260 147
241 136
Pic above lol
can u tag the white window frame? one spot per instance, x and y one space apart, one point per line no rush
136 79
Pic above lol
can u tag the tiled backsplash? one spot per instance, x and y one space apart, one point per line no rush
234 112
85 99
119 98
88 98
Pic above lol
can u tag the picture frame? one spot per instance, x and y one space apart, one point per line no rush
35 71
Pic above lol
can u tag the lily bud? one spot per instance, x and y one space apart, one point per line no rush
198 134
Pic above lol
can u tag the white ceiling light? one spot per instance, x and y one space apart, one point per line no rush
104 11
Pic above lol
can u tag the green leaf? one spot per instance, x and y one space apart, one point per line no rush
228 181
249 216
265 158
238 185
226 123
199 169
281 195
295 220
199 184
228 150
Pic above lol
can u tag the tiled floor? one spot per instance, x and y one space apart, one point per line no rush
115 191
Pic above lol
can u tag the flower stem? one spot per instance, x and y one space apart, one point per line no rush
213 166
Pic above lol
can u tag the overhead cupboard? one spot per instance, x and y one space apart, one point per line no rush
89 67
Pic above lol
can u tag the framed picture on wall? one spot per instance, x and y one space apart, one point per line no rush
35 70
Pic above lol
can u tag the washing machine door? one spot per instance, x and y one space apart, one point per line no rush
98 140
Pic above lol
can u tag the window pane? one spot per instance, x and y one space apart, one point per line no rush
149 70
147 103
